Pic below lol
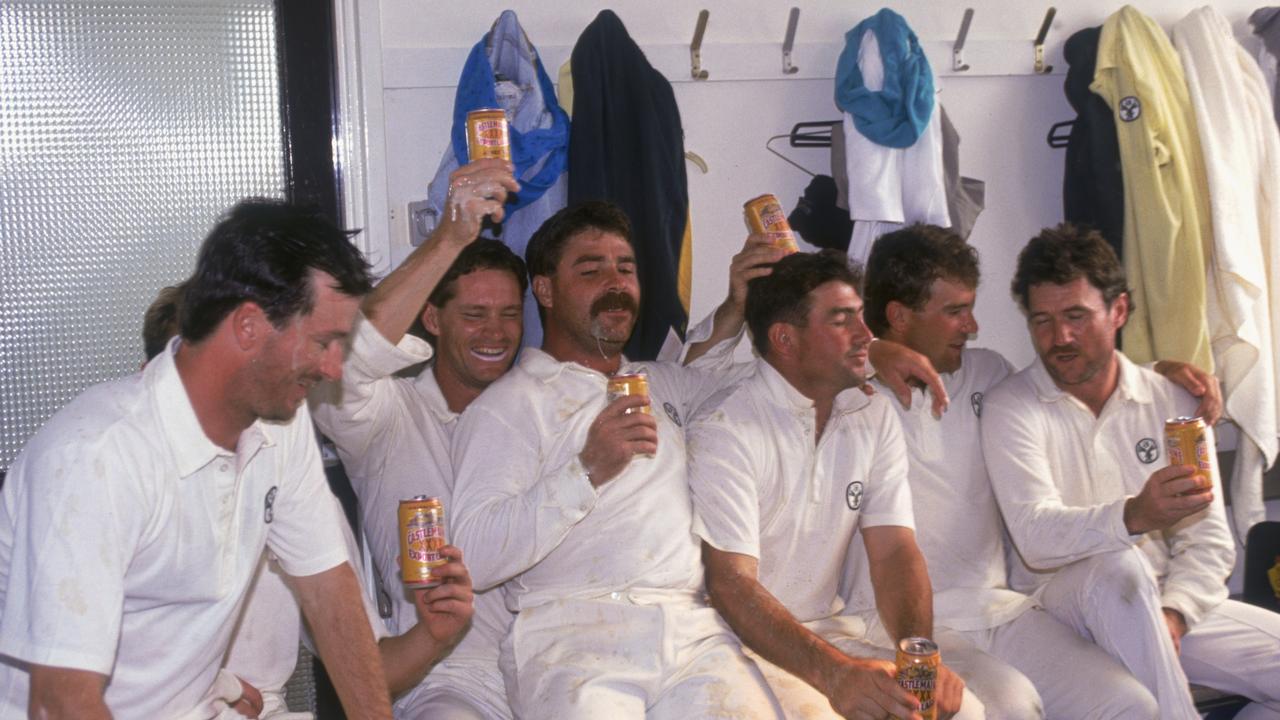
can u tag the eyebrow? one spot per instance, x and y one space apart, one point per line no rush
600 258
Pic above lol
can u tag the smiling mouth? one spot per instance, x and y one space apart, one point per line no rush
490 354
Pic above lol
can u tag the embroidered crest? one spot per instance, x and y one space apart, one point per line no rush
975 401
1147 450
671 413
268 505
1130 108
853 495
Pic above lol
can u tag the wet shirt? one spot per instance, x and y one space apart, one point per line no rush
128 540
763 487
1062 477
958 524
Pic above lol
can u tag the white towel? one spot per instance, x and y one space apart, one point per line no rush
1241 147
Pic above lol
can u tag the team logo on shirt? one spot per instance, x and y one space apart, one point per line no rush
268 513
1130 108
853 495
1147 450
671 413
975 402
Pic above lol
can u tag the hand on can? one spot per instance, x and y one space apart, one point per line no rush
947 692
867 688
615 436
445 610
1169 495
476 189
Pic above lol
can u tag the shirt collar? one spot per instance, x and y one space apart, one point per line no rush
190 446
1131 386
546 369
436 403
782 392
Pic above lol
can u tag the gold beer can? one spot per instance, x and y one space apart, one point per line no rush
764 216
1187 439
421 537
487 135
633 384
918 660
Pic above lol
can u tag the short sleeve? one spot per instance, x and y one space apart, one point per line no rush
306 531
724 485
887 497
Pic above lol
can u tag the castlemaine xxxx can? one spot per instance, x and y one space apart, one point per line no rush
634 384
487 135
1189 443
421 537
764 216
918 660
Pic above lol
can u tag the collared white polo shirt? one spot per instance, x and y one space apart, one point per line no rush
128 539
1062 477
763 487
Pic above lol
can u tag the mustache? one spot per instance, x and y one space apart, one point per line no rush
614 300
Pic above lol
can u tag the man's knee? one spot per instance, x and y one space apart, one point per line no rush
1121 699
1122 577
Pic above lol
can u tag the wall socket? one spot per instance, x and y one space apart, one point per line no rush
422 221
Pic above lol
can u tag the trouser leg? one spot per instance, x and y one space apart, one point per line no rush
1236 648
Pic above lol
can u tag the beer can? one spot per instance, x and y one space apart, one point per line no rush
634 384
918 660
765 216
421 537
1190 443
487 135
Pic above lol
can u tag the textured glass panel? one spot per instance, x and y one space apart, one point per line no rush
125 129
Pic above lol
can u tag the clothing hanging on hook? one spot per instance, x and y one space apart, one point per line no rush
1092 183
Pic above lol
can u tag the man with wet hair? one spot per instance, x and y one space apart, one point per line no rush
138 514
578 505
1127 549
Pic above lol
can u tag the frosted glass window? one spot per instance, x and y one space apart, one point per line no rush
125 129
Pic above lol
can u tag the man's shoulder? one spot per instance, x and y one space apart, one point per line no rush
986 367
1016 390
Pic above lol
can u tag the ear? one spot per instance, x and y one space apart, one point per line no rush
431 319
249 325
782 339
896 314
1120 310
542 290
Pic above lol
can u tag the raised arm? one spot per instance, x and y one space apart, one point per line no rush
856 687
475 190
755 259
331 604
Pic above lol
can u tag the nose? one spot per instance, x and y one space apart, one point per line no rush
970 324
861 333
331 361
1061 333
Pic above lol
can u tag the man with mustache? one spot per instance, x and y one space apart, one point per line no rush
579 506
1128 553
786 469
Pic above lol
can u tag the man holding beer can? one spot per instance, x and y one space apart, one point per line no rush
1131 551
787 469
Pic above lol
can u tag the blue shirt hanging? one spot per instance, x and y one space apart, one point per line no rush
897 114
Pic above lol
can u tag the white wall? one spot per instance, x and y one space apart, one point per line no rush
412 52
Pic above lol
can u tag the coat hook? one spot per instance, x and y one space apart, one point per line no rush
695 48
957 50
790 42
1041 68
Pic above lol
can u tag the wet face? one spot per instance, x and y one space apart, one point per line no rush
832 348
307 350
1074 330
478 329
594 295
943 326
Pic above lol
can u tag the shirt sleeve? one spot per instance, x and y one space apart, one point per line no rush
306 530
514 501
887 497
1046 532
79 513
354 412
724 480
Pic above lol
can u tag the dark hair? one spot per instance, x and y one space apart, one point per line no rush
548 241
263 251
1061 254
483 254
160 322
783 295
904 263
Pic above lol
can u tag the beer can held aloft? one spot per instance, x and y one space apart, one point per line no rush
764 216
918 660
421 538
634 384
487 135
1190 442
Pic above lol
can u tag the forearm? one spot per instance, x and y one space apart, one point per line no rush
726 324
904 595
331 604
397 301
409 657
66 694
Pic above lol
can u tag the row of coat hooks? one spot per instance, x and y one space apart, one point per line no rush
788 44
